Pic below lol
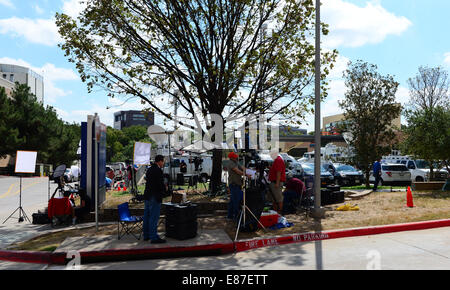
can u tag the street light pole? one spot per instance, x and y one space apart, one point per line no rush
318 211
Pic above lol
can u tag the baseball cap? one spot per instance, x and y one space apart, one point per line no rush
233 155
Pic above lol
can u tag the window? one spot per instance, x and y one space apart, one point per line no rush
11 78
139 117
4 76
411 165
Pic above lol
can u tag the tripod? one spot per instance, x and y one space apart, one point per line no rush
245 208
22 215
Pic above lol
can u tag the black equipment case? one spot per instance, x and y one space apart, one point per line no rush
40 218
181 221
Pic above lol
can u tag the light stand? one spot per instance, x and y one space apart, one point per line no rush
245 207
22 215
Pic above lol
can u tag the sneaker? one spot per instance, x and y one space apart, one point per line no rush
158 241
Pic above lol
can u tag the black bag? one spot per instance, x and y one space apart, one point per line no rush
326 197
255 203
40 218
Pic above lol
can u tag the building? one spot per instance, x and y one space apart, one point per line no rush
298 145
330 123
10 74
125 119
7 85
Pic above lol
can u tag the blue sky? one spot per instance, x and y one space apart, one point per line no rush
397 35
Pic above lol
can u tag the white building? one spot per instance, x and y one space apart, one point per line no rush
14 73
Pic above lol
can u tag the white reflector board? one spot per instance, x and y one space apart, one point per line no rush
142 153
26 161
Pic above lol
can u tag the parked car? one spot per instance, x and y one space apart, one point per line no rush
295 171
344 175
289 161
326 178
393 175
110 173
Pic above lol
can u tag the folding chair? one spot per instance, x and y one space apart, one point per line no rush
128 223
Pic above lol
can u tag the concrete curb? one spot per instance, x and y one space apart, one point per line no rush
115 255
347 233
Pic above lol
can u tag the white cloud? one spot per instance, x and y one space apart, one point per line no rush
73 8
51 74
38 9
7 3
447 59
354 26
402 95
39 31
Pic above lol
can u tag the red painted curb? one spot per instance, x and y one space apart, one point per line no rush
214 249
152 253
26 257
327 235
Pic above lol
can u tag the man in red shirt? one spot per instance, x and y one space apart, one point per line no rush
277 178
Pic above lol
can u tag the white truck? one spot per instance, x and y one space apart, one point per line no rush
204 167
420 170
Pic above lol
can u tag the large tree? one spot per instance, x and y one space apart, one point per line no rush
369 109
8 133
120 143
429 89
226 57
427 114
428 136
27 125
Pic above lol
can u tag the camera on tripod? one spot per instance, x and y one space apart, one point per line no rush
253 160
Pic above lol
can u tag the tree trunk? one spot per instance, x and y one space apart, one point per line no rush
216 174
367 179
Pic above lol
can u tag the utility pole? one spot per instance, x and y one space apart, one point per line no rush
318 211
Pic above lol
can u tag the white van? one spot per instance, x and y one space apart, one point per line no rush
204 164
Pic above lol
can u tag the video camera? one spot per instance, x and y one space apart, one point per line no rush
252 160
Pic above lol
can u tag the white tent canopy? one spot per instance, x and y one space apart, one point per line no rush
201 147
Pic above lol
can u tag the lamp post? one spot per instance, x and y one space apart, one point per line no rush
318 211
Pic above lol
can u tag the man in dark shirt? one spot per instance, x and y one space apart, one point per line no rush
154 192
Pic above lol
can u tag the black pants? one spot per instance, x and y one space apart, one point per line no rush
377 180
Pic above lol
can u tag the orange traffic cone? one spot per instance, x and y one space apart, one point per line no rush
409 198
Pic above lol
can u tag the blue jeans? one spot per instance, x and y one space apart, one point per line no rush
236 196
152 209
